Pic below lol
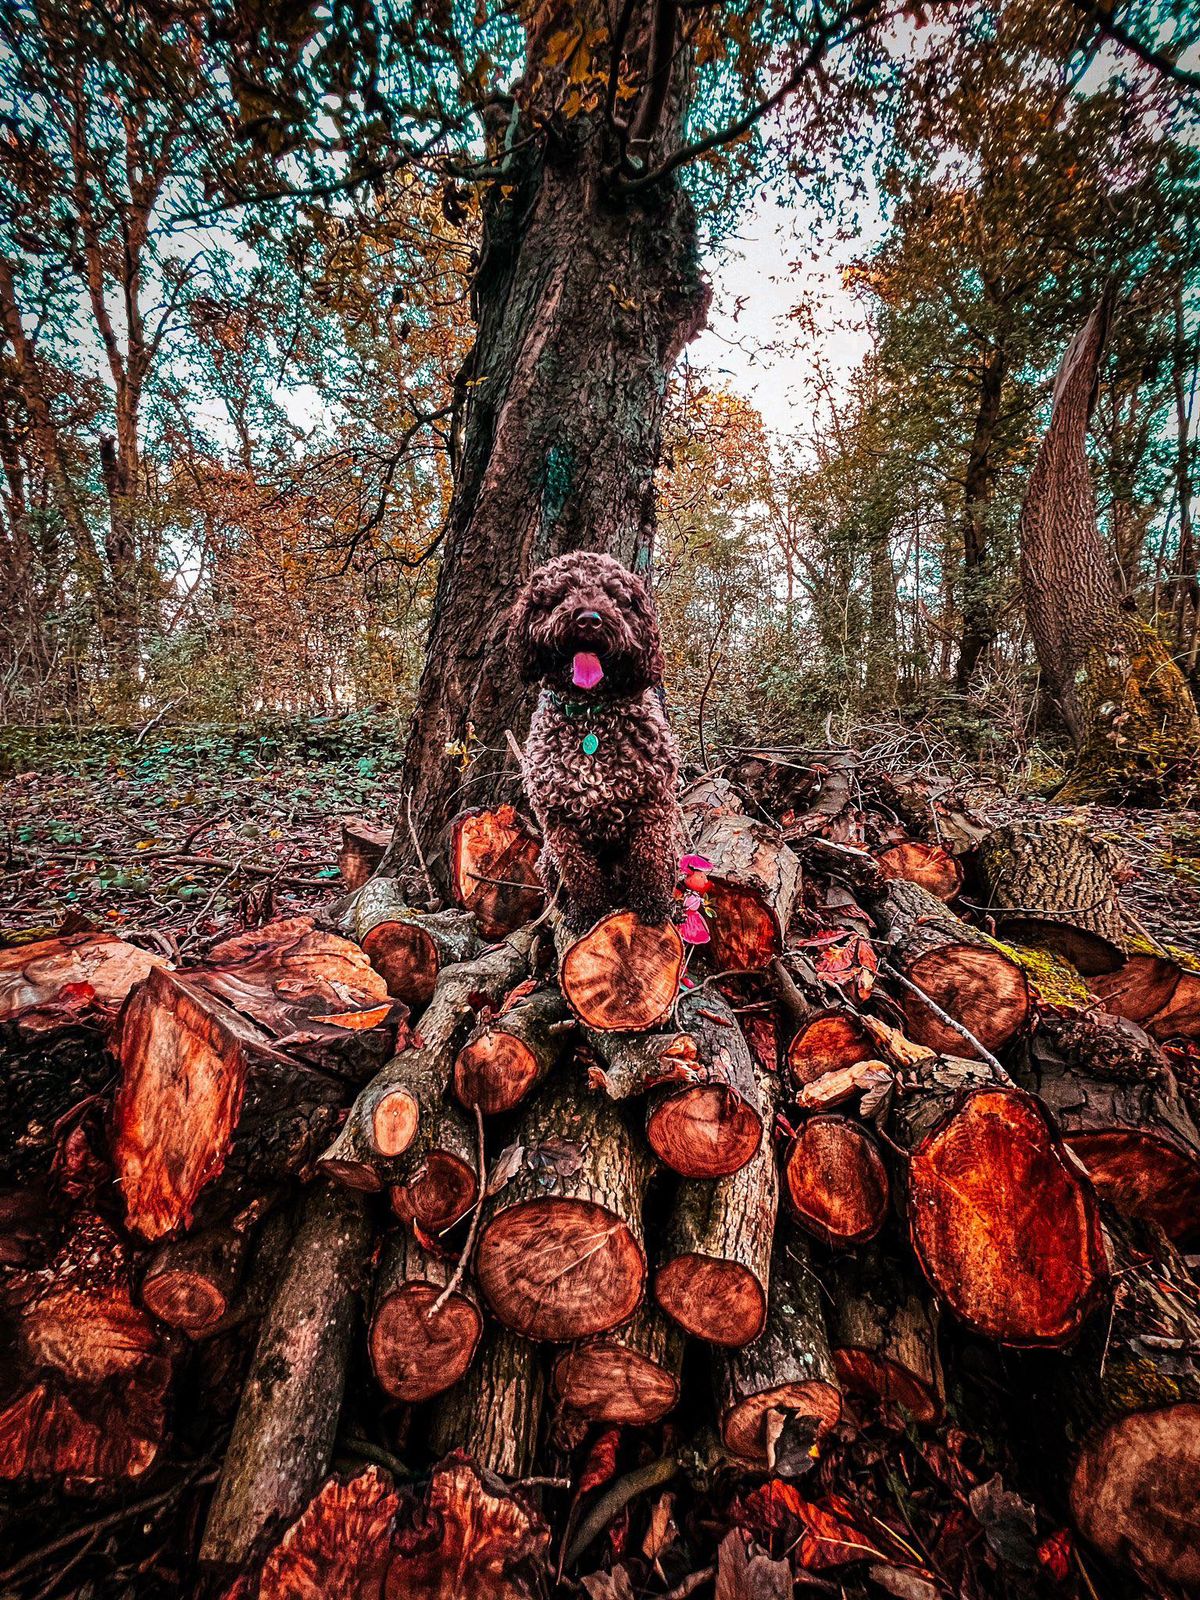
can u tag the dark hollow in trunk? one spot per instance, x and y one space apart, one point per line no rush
561 1253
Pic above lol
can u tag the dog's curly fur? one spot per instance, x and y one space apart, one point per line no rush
608 819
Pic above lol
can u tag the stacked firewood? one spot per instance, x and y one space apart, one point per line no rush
921 1083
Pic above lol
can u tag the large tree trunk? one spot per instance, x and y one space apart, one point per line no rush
1128 709
583 300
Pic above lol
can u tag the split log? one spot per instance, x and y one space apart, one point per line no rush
1050 883
82 1396
629 1375
561 1255
340 1549
1115 1097
408 948
780 1393
363 847
416 1352
884 1336
58 998
929 865
493 869
442 1183
509 1054
54 982
309 990
754 879
623 975
1133 1395
1157 988
969 975
835 1181
385 1120
1005 1226
203 1093
494 1414
827 1042
190 1282
283 1436
717 1267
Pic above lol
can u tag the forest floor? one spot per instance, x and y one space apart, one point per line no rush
189 833
184 835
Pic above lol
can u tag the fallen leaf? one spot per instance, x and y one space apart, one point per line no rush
614 1585
341 1544
601 1463
1008 1522
357 1021
471 1540
904 1582
747 1573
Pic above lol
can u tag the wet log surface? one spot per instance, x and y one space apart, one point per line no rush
408 948
835 1181
493 869
628 1375
561 1253
424 1327
754 878
510 1053
622 975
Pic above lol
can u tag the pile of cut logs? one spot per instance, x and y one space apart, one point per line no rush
926 1083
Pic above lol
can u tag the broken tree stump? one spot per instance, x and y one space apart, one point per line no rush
407 948
1133 1397
385 1119
561 1252
754 879
622 975
716 1268
416 1352
282 1439
443 1179
1159 989
494 1414
1050 883
628 1375
884 1335
929 865
203 1093
1004 1224
493 869
362 849
968 975
779 1395
1115 1097
82 1394
835 1181
509 1054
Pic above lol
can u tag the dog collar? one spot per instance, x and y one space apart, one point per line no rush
573 708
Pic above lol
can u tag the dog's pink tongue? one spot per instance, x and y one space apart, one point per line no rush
586 670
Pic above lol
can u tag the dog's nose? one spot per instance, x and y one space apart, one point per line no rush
590 618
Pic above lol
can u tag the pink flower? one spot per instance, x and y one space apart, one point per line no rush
692 902
694 929
694 864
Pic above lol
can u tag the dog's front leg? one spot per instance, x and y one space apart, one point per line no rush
650 866
583 878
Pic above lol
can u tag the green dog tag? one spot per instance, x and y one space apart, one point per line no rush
590 744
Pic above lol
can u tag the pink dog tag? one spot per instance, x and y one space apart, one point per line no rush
586 670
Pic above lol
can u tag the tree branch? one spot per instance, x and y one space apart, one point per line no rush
1106 22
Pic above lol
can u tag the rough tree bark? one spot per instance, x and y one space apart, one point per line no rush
1126 705
979 604
584 297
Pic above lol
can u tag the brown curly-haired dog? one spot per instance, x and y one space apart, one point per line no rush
600 763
